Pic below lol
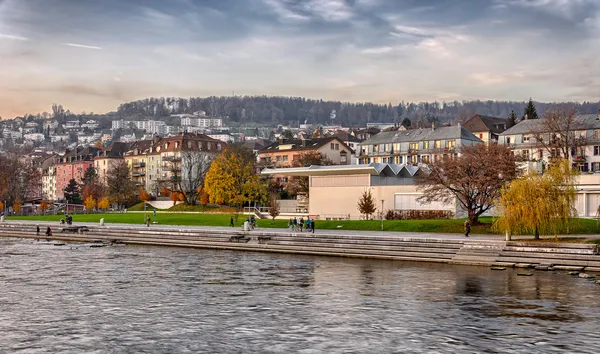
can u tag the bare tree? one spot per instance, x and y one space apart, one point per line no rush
121 190
560 132
189 173
273 206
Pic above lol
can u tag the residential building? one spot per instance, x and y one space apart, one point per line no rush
586 128
137 158
415 146
106 159
48 170
202 122
73 166
486 128
283 152
335 190
224 136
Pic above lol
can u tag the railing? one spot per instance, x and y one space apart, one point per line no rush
138 164
138 174
172 158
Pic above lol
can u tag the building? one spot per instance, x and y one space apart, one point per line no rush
73 166
335 190
486 128
283 152
415 146
106 158
521 139
201 122
48 169
224 136
137 157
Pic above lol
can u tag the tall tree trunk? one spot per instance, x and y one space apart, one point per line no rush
536 233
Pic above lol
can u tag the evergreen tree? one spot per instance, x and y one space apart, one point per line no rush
72 192
530 111
512 120
406 123
90 175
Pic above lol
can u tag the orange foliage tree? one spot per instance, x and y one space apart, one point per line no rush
143 195
90 203
43 206
17 205
104 203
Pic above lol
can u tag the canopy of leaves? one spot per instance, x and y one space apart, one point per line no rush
121 189
539 204
474 179
72 192
231 180
104 203
90 203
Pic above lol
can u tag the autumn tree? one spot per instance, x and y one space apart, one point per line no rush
72 192
121 190
43 206
366 204
539 204
512 120
17 205
1 207
274 209
143 195
530 111
189 175
231 180
300 184
19 179
474 179
560 132
90 203
104 203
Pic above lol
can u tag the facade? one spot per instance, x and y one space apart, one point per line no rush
48 167
283 152
520 138
106 158
72 166
486 128
335 190
202 122
415 146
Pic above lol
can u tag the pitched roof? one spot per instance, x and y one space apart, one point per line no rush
301 144
480 123
414 135
584 121
374 169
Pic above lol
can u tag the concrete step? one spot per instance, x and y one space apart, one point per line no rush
545 260
566 250
549 255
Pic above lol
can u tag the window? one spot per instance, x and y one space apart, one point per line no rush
540 154
597 133
337 146
332 146
480 136
526 138
595 166
396 147
414 146
596 150
278 158
425 145
507 140
438 144
343 158
375 148
285 158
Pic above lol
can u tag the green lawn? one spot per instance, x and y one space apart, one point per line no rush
581 226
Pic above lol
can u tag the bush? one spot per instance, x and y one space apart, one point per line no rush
418 214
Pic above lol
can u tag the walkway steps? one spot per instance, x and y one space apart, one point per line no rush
479 252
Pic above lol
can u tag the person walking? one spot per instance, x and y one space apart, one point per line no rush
467 228
301 224
48 231
231 222
308 225
291 224
295 224
148 221
312 225
37 230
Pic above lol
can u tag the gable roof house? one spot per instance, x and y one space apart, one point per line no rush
486 128
284 152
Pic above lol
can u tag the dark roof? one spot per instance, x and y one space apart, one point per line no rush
479 123
302 144
346 136
526 126
427 134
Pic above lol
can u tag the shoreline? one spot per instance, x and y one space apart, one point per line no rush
480 250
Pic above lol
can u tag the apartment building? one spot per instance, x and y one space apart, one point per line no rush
415 146
283 152
105 159
73 166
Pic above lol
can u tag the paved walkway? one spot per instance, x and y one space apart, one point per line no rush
425 235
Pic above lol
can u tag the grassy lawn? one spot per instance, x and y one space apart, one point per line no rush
580 227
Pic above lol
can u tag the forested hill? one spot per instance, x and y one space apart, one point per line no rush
293 110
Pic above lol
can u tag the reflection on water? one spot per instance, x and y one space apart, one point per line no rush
170 300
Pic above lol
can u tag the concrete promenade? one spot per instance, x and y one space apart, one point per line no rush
485 250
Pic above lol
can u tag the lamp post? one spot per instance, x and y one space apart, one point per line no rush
382 215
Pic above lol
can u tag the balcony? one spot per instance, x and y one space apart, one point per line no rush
138 164
579 158
170 168
172 158
138 173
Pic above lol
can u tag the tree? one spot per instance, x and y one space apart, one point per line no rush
300 184
120 189
512 120
288 135
17 205
232 181
273 206
143 195
366 204
560 133
104 203
204 198
90 203
474 179
44 206
72 192
1 207
539 204
188 178
406 123
89 175
530 111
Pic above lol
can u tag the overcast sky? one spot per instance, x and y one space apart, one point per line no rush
91 55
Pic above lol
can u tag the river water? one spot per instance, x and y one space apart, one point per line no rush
129 299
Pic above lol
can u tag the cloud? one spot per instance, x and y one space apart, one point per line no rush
13 37
330 10
377 50
82 46
282 9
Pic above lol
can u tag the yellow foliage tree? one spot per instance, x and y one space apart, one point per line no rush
143 195
231 181
104 203
17 205
1 206
539 204
90 203
43 206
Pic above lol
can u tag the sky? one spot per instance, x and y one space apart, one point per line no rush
92 55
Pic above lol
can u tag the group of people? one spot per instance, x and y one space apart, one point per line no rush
68 218
296 224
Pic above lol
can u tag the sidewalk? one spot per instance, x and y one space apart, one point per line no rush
423 235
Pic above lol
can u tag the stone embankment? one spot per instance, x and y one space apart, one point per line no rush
566 256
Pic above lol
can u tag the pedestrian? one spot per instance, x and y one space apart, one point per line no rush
312 225
301 224
148 221
231 222
295 224
308 224
467 228
291 224
155 213
37 230
48 231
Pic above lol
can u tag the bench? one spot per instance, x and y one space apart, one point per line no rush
239 238
75 229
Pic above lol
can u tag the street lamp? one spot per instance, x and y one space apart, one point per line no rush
382 215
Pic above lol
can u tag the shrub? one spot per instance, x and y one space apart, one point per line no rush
418 214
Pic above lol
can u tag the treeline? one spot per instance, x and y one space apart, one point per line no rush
274 110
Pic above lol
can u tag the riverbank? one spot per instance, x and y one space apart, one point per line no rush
442 226
485 250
